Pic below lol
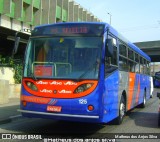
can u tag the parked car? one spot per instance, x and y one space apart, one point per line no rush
158 95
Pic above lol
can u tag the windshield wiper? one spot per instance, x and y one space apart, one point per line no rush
30 72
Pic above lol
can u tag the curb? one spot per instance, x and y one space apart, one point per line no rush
9 119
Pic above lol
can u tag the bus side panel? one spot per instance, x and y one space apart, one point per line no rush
131 90
144 85
123 85
148 87
110 97
137 90
136 86
130 86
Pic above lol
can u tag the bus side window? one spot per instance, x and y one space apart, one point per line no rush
141 65
131 65
114 58
137 68
123 66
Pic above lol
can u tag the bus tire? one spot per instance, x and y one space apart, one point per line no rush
143 104
122 111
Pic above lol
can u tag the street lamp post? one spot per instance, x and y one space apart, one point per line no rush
109 17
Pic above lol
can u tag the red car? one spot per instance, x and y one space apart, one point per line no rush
158 95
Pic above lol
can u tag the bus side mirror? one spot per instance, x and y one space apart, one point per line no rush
17 40
109 48
158 95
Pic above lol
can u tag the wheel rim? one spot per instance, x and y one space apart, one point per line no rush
144 100
122 110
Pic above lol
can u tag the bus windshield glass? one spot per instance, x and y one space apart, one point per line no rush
63 57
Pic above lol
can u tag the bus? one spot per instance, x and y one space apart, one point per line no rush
87 72
157 79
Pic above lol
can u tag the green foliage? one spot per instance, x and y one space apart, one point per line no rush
6 61
18 72
16 64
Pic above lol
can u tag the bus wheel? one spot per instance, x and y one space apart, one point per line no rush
143 104
122 111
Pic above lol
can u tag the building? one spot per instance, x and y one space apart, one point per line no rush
16 15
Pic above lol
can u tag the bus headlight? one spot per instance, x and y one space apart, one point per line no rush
31 86
83 88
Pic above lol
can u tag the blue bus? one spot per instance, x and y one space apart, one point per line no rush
83 71
157 79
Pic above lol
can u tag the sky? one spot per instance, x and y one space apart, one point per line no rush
136 20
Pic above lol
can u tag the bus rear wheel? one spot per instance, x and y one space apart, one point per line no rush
143 104
122 111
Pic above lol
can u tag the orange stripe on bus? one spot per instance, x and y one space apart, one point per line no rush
35 99
131 89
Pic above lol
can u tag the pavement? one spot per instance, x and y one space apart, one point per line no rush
8 110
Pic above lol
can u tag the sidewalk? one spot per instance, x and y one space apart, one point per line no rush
8 111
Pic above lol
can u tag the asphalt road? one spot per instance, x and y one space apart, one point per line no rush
139 122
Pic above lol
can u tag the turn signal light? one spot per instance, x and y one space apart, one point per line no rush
90 108
24 103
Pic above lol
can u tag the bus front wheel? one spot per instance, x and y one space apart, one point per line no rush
122 111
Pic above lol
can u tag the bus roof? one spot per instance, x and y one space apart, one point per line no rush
99 29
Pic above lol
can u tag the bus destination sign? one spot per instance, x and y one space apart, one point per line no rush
69 29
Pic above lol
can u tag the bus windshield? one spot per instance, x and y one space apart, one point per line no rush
63 57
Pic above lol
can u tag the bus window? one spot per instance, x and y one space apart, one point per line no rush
131 65
137 63
141 65
137 58
137 68
123 65
114 58
123 50
130 54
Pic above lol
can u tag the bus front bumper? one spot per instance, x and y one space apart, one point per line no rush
59 115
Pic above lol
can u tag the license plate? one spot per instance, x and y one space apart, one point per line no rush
54 108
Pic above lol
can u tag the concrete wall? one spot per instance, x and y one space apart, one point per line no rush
19 14
7 73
